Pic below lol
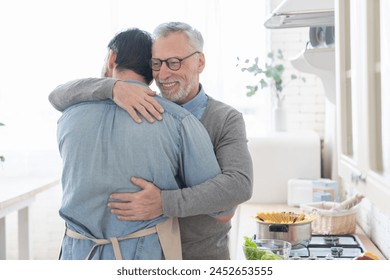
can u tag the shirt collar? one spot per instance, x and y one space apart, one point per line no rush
136 82
198 104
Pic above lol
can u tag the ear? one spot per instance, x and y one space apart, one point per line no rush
202 62
111 60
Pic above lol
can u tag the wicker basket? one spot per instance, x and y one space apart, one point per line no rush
330 221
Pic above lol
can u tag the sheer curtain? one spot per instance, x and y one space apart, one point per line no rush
46 43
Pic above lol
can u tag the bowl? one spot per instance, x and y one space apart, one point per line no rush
268 249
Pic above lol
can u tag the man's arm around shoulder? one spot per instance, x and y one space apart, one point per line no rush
76 91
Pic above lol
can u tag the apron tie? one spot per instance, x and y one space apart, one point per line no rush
168 233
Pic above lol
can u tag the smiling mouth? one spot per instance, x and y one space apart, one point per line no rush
168 85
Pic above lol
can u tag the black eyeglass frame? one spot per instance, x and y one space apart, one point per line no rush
169 60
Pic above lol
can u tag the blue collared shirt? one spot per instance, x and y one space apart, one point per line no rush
102 147
198 104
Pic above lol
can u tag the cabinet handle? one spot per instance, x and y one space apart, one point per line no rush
358 177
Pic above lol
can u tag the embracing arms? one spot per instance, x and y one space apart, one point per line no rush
227 131
226 128
132 97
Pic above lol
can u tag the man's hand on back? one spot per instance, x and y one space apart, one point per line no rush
143 205
137 98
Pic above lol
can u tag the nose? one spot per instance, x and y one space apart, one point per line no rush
164 71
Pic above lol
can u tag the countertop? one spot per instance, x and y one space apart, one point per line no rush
244 225
17 194
16 189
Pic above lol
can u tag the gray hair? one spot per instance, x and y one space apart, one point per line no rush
194 36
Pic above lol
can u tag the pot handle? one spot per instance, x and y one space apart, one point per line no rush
278 228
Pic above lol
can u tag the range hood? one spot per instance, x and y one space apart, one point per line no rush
302 13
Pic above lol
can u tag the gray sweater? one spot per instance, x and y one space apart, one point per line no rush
202 236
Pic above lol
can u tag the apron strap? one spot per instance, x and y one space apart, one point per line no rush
113 240
169 235
117 249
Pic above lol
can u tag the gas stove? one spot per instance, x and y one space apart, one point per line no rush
328 247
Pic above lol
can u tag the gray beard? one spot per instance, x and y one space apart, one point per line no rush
180 96
175 98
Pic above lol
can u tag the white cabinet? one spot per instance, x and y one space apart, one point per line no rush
280 156
363 97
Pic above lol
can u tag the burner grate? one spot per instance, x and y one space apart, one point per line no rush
329 247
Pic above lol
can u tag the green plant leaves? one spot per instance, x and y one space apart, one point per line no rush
272 72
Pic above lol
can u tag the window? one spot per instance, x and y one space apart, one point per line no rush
50 42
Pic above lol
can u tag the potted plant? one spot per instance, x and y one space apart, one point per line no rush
270 75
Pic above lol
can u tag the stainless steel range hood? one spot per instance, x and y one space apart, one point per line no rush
302 13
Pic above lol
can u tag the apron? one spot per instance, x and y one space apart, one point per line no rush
168 233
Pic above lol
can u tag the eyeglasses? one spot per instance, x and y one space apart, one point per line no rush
173 63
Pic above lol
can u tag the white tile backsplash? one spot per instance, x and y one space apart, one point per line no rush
305 102
373 222
376 225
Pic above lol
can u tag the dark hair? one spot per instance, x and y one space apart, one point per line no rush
134 51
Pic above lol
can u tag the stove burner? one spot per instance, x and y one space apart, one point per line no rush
328 247
332 240
337 251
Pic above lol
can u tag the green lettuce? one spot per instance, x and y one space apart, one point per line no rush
252 252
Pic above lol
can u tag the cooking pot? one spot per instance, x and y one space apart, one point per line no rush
296 233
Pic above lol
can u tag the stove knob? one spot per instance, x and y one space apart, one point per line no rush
312 258
329 257
295 257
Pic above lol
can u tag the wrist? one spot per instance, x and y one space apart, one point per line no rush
114 87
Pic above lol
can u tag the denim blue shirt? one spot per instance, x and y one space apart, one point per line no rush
102 147
198 104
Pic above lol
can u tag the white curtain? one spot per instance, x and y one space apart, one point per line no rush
46 43
385 86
